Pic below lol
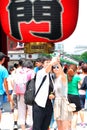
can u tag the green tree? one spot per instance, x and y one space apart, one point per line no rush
76 57
84 56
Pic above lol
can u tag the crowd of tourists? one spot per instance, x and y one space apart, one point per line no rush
63 83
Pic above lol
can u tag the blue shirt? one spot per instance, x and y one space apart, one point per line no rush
3 75
36 69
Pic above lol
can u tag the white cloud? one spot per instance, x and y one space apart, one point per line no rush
79 36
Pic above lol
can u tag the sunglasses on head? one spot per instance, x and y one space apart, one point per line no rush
55 67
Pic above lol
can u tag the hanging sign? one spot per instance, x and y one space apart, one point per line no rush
38 47
39 20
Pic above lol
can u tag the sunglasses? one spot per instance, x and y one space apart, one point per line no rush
55 67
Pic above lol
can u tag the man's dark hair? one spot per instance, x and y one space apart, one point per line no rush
46 59
28 64
21 62
39 60
16 65
2 55
80 63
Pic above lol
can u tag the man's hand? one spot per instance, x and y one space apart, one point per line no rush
55 60
51 96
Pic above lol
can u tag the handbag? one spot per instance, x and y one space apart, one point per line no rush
62 109
70 106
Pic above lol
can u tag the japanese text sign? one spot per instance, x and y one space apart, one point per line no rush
39 20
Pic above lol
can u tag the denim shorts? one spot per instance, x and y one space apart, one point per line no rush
82 100
1 101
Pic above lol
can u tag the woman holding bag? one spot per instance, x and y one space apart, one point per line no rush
62 117
73 92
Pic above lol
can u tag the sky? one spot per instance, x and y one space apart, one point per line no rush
79 36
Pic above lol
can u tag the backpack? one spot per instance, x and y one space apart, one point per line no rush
30 94
84 83
20 81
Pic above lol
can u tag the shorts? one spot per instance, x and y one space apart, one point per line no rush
10 92
82 100
75 99
1 101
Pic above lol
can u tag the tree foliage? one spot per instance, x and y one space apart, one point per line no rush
77 57
84 56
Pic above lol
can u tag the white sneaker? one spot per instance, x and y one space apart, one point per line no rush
51 128
15 127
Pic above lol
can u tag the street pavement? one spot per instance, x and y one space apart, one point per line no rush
7 119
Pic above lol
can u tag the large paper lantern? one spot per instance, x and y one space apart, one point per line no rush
39 20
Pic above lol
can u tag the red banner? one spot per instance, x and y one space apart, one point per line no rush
39 20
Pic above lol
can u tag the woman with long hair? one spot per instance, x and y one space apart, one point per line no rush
73 92
62 117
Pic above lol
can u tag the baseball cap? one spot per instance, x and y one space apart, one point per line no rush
2 55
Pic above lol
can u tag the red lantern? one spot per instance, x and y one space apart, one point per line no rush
39 20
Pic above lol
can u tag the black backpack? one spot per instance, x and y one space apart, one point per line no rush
30 94
84 83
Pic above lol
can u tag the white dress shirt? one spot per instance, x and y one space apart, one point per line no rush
42 95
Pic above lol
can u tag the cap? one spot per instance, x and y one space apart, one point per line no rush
2 55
